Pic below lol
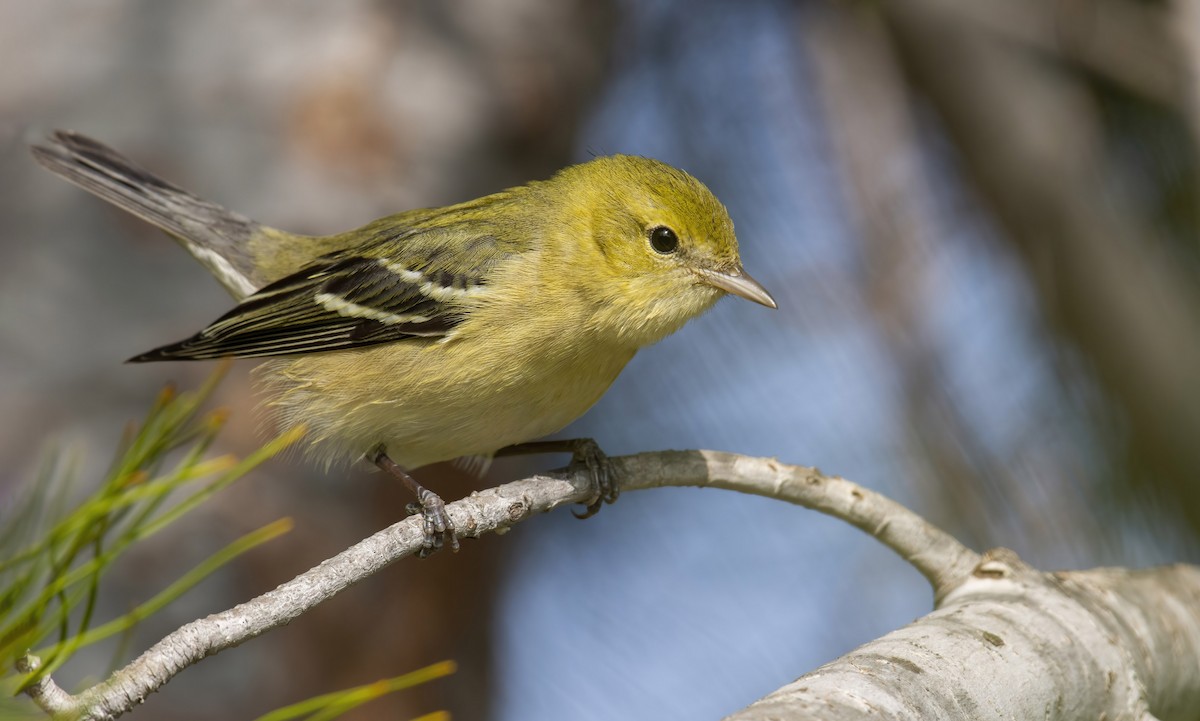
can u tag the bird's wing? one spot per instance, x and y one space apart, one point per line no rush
413 284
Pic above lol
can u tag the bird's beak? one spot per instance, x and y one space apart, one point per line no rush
740 284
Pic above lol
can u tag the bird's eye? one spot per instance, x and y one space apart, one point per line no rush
663 239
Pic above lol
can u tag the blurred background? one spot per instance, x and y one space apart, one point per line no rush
980 221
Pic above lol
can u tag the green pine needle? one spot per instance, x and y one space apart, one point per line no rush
53 555
331 705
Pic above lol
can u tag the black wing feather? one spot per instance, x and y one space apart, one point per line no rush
366 303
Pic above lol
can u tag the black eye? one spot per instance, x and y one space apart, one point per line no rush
663 239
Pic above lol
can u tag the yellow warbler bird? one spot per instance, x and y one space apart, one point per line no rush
440 333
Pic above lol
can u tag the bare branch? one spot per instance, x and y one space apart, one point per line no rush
1016 643
944 561
47 694
1006 641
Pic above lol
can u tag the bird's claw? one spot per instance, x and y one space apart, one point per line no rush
439 530
437 525
587 455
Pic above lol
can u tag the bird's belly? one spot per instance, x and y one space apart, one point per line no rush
434 402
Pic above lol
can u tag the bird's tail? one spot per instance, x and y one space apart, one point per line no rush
218 238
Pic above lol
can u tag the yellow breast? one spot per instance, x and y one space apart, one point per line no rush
429 401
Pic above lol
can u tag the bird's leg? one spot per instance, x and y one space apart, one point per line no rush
585 453
438 528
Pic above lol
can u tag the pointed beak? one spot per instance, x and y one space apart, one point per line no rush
740 284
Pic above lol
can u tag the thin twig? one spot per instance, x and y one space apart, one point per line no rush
944 561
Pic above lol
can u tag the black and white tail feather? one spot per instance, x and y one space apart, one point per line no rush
215 236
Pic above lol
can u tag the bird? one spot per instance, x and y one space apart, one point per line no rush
433 334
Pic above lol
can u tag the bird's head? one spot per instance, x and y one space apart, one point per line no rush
663 247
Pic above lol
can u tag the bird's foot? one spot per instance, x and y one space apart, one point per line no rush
439 529
586 454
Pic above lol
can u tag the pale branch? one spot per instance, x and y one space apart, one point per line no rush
1016 643
944 561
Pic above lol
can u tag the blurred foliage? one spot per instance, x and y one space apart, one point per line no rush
1155 160
1072 130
